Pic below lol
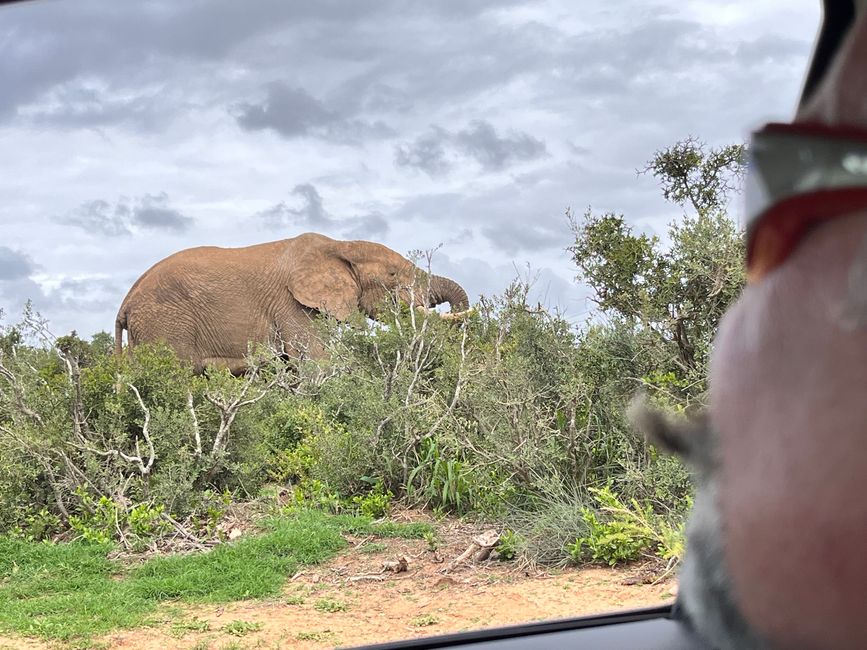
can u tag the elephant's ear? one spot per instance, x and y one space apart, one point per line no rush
325 281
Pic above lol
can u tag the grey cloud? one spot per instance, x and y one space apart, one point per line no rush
527 216
427 152
433 207
481 278
85 304
293 112
80 104
371 227
462 235
771 48
494 152
478 141
355 132
14 265
152 212
512 237
14 294
86 294
16 285
625 75
149 212
100 217
312 214
46 46
289 111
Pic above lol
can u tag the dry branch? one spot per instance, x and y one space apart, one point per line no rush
373 577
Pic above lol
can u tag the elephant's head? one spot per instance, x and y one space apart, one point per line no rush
338 277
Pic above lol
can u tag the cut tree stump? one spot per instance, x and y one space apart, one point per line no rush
399 565
479 550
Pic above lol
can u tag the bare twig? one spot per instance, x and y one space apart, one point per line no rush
196 431
374 577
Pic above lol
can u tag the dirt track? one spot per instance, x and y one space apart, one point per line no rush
324 607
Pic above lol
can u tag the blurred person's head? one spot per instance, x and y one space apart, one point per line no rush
779 542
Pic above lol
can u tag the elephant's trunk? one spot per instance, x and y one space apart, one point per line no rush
446 290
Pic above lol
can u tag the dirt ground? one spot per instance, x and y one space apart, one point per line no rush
351 601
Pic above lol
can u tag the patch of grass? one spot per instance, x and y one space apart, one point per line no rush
325 635
73 591
180 628
64 591
295 599
360 525
240 628
252 567
373 547
424 621
330 605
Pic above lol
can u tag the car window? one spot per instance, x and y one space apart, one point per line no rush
319 322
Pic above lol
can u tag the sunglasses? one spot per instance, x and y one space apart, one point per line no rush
799 175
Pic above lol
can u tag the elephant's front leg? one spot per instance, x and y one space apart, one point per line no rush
299 342
234 365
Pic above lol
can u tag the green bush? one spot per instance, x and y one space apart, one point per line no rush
617 532
376 503
512 414
507 547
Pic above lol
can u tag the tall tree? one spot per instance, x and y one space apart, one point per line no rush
681 291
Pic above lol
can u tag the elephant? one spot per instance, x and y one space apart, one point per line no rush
208 303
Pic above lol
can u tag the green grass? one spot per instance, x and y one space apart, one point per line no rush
329 605
180 628
73 591
320 637
373 548
359 525
63 591
240 628
250 568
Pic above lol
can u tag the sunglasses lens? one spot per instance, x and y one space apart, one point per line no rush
783 165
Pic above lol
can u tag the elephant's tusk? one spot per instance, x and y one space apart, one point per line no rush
457 315
424 310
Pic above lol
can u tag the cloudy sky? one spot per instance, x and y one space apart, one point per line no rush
130 130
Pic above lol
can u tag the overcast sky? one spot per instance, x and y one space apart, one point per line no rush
130 130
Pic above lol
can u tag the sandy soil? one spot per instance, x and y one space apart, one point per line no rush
329 606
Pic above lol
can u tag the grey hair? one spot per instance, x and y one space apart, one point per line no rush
705 592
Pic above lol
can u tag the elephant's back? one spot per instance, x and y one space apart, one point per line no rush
184 270
180 290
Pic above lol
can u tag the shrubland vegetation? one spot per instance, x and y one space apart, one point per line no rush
514 415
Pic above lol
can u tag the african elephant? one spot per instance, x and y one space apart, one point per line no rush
208 302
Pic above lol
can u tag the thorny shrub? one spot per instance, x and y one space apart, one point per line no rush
512 413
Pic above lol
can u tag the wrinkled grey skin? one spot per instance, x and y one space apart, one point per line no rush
704 590
209 303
